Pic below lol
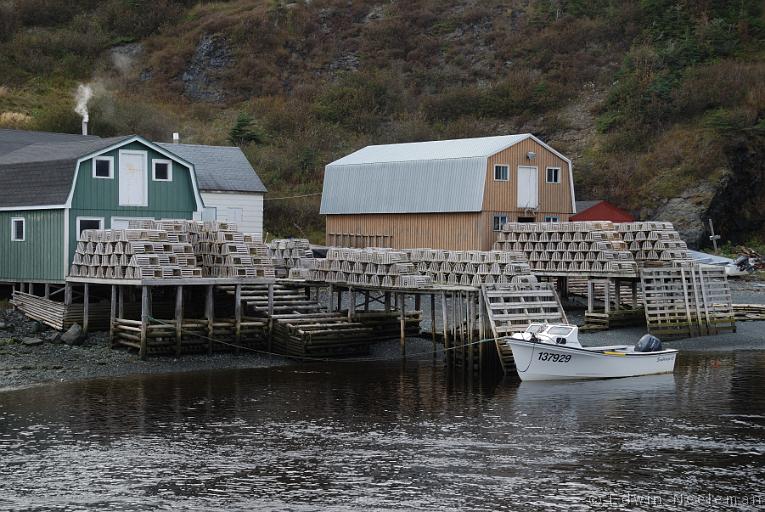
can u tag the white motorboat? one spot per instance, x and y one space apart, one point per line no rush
553 352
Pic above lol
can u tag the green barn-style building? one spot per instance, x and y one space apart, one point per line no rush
52 186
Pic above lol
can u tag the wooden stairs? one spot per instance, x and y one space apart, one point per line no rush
512 308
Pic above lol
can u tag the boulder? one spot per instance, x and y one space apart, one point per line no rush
34 327
29 341
2 325
74 336
52 337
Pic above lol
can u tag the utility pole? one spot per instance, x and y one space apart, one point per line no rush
714 238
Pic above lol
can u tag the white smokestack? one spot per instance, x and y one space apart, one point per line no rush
82 97
176 138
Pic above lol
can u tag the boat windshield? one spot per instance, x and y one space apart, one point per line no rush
535 328
559 330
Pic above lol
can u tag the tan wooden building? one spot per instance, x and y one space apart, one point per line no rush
452 194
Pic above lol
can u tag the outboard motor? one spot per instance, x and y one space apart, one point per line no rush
648 343
743 263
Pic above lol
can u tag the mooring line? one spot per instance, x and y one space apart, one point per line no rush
317 359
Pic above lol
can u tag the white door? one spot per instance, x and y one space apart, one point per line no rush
528 187
133 179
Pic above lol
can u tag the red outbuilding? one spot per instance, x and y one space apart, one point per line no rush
600 210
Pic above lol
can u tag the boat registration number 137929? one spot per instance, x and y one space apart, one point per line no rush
554 358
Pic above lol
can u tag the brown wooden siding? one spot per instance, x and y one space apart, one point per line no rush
457 231
501 196
462 231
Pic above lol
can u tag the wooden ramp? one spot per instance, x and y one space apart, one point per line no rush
512 308
686 300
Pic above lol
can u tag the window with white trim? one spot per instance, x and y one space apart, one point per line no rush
552 218
499 221
103 167
84 223
553 175
18 229
501 172
162 170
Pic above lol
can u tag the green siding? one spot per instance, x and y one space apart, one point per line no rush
40 257
97 197
103 194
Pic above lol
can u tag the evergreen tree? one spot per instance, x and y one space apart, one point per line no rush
244 131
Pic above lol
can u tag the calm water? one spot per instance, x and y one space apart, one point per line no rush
389 437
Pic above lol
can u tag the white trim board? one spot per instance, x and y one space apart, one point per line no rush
25 208
77 220
109 159
66 242
169 164
23 229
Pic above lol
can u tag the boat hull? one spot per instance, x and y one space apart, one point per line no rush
543 361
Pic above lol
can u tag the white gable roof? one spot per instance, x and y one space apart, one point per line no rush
432 150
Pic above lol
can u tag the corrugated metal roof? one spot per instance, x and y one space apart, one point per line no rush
453 185
219 168
432 150
418 177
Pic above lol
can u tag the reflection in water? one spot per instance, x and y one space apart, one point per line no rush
387 436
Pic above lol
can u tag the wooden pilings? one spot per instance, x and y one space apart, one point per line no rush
210 316
145 305
178 319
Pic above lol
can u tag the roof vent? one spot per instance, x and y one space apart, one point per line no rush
176 138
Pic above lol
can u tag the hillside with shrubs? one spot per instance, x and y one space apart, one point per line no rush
660 103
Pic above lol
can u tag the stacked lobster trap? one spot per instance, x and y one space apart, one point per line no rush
170 250
653 244
416 268
472 268
564 248
289 253
226 252
140 253
370 266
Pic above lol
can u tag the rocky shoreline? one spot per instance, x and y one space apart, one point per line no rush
31 353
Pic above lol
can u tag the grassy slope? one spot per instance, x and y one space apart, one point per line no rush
668 94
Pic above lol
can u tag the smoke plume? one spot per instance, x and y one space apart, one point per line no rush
82 97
